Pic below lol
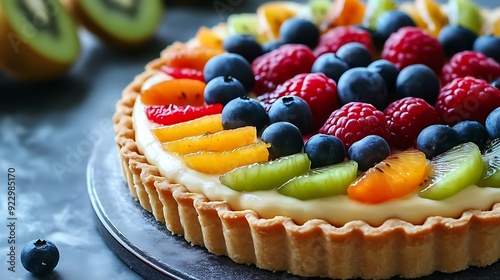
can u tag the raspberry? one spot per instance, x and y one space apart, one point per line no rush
406 118
317 90
332 40
275 67
354 121
467 98
410 45
469 63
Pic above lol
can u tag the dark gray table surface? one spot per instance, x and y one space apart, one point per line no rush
47 132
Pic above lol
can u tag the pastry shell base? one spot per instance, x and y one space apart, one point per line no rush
315 248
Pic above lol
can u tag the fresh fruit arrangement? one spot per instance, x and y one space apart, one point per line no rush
39 39
342 153
374 129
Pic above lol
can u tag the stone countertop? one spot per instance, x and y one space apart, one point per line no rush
47 133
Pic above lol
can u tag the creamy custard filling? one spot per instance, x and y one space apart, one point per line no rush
336 210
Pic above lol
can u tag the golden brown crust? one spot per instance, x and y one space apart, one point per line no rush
315 248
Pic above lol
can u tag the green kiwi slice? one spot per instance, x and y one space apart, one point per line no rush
39 39
466 14
322 182
452 171
267 175
491 158
125 24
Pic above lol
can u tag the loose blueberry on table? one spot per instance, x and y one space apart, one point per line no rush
40 257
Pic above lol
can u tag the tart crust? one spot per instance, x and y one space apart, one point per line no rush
315 248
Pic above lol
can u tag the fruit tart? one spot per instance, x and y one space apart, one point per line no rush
337 139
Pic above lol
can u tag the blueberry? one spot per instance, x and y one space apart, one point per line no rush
285 139
493 123
299 31
244 45
230 64
387 70
272 45
436 139
40 257
331 65
361 85
292 109
244 111
355 54
420 81
369 151
377 39
455 38
496 83
391 21
223 89
489 45
324 149
472 131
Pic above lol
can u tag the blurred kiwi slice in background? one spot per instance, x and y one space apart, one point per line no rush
38 39
124 24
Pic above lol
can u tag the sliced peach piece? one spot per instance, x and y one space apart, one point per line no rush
398 175
208 38
214 142
225 161
271 16
432 16
191 57
346 12
206 124
180 92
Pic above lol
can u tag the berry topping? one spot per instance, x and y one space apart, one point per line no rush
183 73
388 71
272 45
324 149
420 81
299 31
230 64
467 99
354 121
223 89
285 139
244 45
362 85
410 45
40 257
398 175
406 118
488 45
292 109
493 123
335 38
391 21
355 54
437 139
369 151
469 63
244 111
181 92
172 114
330 65
496 83
274 68
455 39
472 131
317 90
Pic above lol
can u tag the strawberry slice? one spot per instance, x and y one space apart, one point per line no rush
183 73
172 114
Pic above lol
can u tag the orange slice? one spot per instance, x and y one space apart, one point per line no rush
396 176
432 16
206 124
346 12
181 92
271 16
189 57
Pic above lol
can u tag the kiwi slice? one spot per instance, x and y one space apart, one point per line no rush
491 159
466 14
38 39
319 10
452 171
267 175
124 24
322 182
